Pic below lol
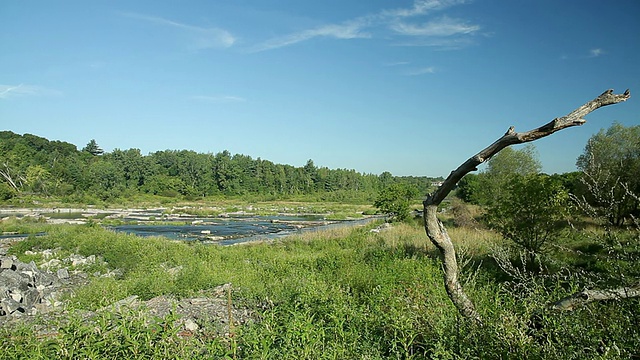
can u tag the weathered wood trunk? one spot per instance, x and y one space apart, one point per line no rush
436 230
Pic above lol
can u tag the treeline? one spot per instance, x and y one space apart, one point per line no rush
31 164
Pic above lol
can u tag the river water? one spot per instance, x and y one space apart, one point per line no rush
237 230
228 230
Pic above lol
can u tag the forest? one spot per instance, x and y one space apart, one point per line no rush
33 165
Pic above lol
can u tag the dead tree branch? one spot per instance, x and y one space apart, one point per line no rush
436 230
587 296
7 176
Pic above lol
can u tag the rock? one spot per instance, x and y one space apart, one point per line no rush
11 279
382 227
53 263
62 273
11 306
190 325
26 291
17 297
175 271
6 263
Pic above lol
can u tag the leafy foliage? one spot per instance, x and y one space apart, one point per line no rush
34 165
489 186
611 164
93 148
532 211
395 200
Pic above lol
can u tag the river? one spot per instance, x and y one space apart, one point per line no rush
227 230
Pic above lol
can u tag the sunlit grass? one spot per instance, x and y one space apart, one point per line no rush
340 294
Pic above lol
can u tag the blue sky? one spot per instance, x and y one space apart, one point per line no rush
411 87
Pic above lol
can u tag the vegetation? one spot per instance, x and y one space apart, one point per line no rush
532 212
611 163
356 293
489 186
31 166
396 199
348 293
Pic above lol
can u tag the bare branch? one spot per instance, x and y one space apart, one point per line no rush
511 137
587 296
6 174
436 230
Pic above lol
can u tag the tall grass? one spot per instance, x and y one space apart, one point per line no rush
342 294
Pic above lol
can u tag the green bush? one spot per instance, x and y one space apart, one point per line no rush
532 211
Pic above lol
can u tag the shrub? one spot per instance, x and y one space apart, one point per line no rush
532 212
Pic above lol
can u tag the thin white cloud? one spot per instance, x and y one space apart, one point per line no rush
444 26
422 71
596 52
397 63
205 38
439 43
219 98
349 30
422 7
362 27
7 91
592 53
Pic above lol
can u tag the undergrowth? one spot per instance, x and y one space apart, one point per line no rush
342 294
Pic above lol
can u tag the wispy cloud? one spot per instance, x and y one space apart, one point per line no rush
396 20
592 53
422 71
348 30
7 91
596 52
422 7
219 98
444 26
397 63
204 37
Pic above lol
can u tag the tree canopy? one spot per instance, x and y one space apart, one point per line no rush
611 164
35 165
93 148
489 186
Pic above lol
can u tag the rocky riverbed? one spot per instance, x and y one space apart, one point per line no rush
37 293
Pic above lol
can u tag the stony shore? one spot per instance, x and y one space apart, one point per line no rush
39 293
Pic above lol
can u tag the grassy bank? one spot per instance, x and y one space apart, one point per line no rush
343 294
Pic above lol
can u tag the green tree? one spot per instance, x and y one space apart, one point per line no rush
492 182
133 164
6 192
611 164
531 212
38 179
396 199
106 179
93 148
469 188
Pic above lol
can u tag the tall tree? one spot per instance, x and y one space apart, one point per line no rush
611 164
93 148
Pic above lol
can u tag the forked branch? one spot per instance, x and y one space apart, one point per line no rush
436 230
